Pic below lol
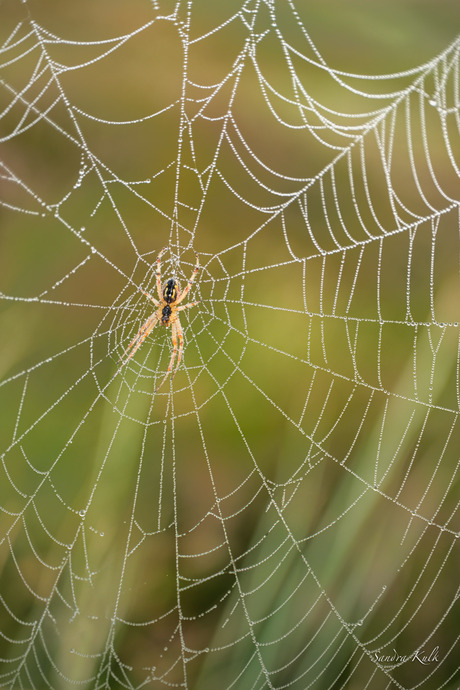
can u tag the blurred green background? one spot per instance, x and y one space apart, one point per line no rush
283 513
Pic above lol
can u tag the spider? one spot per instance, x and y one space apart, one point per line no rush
167 310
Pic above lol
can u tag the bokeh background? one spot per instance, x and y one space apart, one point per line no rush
283 513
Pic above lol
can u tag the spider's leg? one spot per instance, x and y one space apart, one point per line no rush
151 298
187 306
189 284
171 361
141 335
160 293
181 344
135 344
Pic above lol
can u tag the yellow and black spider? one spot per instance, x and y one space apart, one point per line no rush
167 310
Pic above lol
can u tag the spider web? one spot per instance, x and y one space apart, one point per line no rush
282 513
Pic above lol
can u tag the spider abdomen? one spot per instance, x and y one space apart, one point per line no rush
170 291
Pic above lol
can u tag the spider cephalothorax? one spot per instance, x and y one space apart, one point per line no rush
167 310
166 314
